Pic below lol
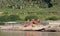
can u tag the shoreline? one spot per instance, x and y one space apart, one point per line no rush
21 28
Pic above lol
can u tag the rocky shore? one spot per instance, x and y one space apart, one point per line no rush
30 28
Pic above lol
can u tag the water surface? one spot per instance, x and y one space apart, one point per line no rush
28 33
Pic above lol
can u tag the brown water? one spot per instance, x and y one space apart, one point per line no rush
28 33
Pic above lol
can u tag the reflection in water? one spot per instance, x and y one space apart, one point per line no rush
40 34
33 33
28 33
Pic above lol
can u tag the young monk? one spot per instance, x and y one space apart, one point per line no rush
27 23
39 22
33 21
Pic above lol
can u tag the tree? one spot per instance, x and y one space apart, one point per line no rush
49 3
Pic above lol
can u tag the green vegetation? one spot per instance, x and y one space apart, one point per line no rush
20 4
24 8
6 18
53 18
42 13
31 17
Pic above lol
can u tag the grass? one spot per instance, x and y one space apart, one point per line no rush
43 16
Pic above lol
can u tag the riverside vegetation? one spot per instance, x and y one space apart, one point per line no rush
21 10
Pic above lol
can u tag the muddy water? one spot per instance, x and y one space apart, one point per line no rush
28 33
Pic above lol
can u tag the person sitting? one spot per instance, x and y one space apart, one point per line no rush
27 23
39 22
33 21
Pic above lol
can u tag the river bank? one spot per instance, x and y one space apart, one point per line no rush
47 28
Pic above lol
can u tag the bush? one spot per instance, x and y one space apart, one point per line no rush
6 18
53 18
31 17
3 18
13 18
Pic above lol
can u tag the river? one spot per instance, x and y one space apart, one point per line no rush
28 33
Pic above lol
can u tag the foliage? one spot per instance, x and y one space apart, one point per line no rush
38 7
6 18
13 18
53 18
42 13
23 3
31 17
3 18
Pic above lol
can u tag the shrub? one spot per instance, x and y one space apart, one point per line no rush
13 18
53 18
3 18
6 18
31 17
